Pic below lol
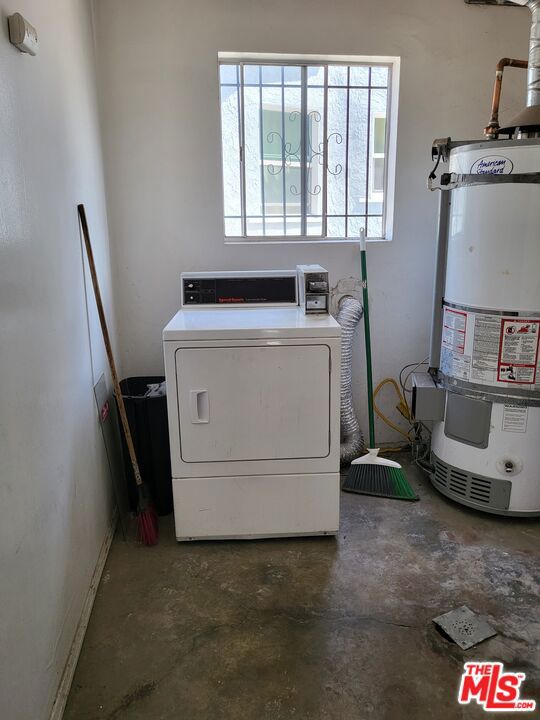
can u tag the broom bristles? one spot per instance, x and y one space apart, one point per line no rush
370 478
147 526
147 519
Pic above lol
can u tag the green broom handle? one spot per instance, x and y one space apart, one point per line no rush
367 336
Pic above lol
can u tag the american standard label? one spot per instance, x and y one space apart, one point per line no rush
492 165
492 350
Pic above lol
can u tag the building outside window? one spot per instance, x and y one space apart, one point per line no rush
306 149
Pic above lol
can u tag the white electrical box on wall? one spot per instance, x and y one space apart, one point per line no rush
22 34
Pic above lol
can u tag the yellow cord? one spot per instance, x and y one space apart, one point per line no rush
402 406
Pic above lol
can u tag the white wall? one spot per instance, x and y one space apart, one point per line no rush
55 505
158 82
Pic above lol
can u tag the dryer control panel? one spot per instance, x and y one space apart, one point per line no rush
239 288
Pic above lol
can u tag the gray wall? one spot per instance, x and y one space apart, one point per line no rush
160 109
55 507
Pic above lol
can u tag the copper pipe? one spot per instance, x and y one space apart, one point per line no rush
491 132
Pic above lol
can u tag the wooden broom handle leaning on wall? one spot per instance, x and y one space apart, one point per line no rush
108 347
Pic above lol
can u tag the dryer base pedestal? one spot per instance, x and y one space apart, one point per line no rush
256 506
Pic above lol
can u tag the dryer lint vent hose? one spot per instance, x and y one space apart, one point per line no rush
349 315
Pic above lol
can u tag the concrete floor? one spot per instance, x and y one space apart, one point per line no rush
318 628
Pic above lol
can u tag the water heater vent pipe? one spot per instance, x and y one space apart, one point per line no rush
533 75
530 117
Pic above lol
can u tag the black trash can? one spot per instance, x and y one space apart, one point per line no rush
147 417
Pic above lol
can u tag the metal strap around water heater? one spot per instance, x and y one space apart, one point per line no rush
452 181
528 398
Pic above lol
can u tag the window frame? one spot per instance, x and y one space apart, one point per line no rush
377 115
393 64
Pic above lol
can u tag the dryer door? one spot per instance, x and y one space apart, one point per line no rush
253 402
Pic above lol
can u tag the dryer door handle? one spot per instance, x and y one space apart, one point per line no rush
199 406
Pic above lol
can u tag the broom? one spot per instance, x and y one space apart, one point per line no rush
371 474
147 526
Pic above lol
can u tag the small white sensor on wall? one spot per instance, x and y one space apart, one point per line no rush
22 34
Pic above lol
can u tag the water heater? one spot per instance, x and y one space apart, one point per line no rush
484 396
485 447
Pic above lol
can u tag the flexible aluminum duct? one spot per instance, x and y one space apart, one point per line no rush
349 315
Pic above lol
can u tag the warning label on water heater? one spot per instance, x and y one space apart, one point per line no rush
518 351
514 418
454 330
486 349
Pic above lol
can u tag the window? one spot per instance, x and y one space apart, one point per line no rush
378 154
305 148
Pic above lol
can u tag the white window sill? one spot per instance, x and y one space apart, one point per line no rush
278 240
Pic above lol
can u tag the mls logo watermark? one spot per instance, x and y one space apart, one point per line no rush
487 684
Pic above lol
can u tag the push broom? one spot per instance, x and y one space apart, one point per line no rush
147 525
371 474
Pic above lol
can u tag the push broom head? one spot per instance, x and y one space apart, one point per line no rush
374 475
147 521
